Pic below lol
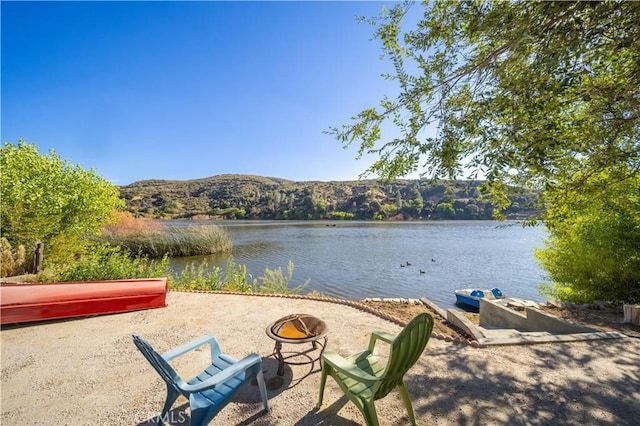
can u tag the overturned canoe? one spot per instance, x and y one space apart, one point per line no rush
44 301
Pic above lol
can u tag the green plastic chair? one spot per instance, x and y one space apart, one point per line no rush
364 379
213 388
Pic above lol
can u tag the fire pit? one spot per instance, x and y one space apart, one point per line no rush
297 329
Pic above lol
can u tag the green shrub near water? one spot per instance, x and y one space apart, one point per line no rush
200 276
235 278
593 249
104 262
275 282
174 241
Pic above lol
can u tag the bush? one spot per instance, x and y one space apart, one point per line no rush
235 279
48 199
104 262
593 251
338 215
12 264
199 276
275 282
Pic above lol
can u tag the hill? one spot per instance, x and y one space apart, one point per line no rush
256 197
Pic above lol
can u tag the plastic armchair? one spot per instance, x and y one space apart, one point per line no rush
364 379
213 388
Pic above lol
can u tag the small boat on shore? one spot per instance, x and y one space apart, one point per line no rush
471 296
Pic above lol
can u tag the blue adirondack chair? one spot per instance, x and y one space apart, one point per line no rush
210 390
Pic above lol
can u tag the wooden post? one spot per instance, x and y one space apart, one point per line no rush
631 314
37 257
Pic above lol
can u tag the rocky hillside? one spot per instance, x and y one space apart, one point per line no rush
256 197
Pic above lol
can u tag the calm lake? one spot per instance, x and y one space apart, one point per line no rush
356 260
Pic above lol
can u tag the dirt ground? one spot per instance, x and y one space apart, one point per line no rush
607 319
86 371
405 311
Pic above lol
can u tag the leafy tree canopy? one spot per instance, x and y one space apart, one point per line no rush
527 92
45 198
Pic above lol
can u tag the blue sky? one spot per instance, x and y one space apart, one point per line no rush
187 90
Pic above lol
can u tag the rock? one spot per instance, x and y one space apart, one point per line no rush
599 305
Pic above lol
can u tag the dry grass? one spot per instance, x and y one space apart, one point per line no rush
129 225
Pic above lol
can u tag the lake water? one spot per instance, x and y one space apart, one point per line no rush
356 260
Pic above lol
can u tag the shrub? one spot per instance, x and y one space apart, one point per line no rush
104 262
49 199
235 279
11 263
275 282
593 250
338 215
199 276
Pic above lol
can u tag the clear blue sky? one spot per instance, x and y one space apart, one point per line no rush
187 90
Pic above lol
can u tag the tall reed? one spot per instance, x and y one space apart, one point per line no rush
154 239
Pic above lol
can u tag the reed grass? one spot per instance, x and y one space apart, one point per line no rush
127 250
173 241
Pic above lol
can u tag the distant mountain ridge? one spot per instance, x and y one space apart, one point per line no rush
232 196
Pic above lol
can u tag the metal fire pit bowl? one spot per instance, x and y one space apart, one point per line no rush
297 329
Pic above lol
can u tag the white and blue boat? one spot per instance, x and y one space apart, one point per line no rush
471 296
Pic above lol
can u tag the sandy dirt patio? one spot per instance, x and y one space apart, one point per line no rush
87 371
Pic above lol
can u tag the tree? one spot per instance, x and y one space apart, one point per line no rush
593 251
45 198
537 94
445 210
524 93
388 210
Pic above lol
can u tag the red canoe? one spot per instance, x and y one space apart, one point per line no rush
45 301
